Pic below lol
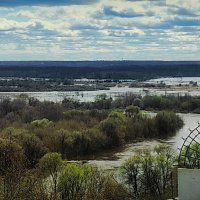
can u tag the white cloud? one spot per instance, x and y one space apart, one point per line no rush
78 32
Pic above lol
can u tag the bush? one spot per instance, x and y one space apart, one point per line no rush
86 182
148 173
167 123
42 123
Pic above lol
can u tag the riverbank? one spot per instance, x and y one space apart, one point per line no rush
113 159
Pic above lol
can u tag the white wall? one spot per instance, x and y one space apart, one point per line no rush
189 184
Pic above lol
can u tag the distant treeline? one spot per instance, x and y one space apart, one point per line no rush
184 104
41 85
100 69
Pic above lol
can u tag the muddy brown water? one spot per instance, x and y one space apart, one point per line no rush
113 159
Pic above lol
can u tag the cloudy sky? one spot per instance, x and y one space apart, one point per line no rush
99 29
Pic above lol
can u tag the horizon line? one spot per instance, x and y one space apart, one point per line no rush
99 60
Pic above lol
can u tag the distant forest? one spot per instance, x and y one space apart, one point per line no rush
139 70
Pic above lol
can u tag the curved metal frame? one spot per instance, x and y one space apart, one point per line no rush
185 160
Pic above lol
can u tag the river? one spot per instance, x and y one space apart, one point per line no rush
113 159
88 96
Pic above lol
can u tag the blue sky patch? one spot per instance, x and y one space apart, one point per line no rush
99 30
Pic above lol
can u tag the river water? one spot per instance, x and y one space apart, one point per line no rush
114 159
88 96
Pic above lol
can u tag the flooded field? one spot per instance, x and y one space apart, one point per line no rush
87 96
175 81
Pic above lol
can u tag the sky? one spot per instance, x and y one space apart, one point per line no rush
99 30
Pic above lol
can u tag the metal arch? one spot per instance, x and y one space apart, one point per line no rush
187 163
189 146
186 160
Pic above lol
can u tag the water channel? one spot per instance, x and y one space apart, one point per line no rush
114 159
